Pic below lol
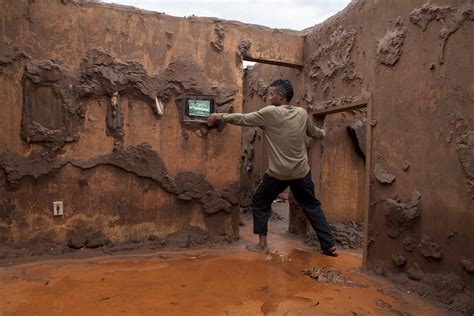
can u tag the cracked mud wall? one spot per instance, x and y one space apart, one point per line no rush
415 61
91 116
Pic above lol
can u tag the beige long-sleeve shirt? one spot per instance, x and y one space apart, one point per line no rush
284 128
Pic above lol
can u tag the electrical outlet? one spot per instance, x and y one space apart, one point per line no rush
58 208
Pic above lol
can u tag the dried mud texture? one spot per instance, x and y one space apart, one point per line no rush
140 160
357 131
51 84
248 176
399 260
445 289
336 102
468 265
326 276
401 217
389 48
464 132
429 249
218 45
242 51
348 235
415 272
451 19
187 237
382 175
333 58
9 55
84 236
51 112
35 165
409 244
194 186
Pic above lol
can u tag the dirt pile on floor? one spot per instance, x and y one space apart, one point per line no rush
326 275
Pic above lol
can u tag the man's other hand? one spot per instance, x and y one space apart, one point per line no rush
211 121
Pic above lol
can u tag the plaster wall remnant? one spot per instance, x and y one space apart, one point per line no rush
429 249
382 175
389 48
451 18
9 54
401 217
334 57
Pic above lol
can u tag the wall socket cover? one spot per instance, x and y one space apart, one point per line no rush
58 208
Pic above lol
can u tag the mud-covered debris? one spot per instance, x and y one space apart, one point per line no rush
400 217
468 265
389 47
399 259
326 275
382 175
429 249
415 272
405 165
409 244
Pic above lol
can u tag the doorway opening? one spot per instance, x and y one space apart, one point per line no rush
287 218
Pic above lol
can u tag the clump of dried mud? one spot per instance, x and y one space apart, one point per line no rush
326 275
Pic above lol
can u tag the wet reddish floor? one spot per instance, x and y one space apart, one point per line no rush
228 281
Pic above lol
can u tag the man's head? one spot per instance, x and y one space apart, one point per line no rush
281 92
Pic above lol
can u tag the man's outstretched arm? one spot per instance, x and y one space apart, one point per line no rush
248 119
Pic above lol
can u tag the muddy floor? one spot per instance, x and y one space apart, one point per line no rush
292 280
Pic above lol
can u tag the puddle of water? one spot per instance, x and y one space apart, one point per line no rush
232 282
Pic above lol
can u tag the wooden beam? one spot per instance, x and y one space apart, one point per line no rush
341 105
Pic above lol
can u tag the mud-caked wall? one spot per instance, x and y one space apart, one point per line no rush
414 61
93 117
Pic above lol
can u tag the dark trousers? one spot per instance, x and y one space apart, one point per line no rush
303 191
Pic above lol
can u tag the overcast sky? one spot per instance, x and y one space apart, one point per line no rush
287 14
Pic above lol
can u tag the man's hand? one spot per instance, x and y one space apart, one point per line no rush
211 121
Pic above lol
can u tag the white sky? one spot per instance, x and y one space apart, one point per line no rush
285 14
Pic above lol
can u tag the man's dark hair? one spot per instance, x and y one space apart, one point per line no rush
285 87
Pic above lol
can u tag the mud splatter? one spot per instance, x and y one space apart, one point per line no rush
389 48
451 19
429 249
357 132
333 58
347 234
401 217
218 45
382 175
9 55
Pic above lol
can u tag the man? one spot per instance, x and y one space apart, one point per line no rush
284 127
